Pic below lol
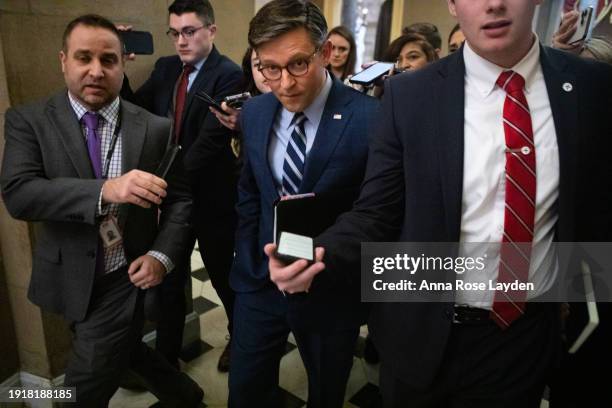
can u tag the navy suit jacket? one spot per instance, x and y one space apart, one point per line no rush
335 164
206 146
412 191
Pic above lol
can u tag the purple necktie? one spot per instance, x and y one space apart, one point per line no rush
91 119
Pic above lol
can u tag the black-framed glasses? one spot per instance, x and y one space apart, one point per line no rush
296 68
187 33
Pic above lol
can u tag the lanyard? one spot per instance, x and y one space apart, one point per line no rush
111 149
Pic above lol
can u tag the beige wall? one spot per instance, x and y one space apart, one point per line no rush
31 32
430 11
22 342
8 341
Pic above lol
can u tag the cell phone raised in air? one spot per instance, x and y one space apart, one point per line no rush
371 73
583 25
236 101
137 42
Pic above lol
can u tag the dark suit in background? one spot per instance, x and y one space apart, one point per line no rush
326 320
413 192
212 169
47 178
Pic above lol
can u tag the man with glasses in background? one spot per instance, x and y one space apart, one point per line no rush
308 135
170 91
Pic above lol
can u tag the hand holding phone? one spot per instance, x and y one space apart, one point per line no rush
582 26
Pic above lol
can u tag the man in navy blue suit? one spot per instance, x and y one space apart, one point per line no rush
308 135
212 167
464 146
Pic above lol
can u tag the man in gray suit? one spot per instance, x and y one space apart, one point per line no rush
81 165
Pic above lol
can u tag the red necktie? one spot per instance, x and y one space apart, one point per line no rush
515 253
179 103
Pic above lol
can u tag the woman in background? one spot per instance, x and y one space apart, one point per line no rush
455 39
410 52
255 84
344 54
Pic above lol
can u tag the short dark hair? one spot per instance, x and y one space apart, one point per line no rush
202 8
395 48
279 17
90 20
427 30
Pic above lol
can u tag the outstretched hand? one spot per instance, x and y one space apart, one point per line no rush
297 276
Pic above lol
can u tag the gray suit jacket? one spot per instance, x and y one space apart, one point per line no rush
47 178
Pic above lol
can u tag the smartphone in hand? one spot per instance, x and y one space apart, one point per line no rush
583 25
137 42
371 73
236 101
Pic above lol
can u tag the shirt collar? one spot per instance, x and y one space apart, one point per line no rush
198 65
315 110
110 112
484 73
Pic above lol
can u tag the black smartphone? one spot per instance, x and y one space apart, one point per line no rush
582 26
210 101
167 160
371 73
137 42
236 101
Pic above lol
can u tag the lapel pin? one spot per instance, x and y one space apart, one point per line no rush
337 116
567 87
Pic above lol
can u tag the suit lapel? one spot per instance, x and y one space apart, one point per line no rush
335 117
210 63
166 96
65 121
133 132
563 96
450 90
266 122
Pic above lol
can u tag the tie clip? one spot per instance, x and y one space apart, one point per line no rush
525 150
337 116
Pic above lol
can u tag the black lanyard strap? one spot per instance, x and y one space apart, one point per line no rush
111 149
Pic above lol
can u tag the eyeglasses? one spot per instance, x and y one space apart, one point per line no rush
187 33
296 68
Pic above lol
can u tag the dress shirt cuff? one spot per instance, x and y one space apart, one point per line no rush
163 259
102 209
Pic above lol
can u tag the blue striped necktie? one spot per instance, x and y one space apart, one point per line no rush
295 157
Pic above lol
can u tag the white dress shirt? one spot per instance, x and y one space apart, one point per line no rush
283 128
484 189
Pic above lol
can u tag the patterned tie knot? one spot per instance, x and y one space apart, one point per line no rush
511 82
91 120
